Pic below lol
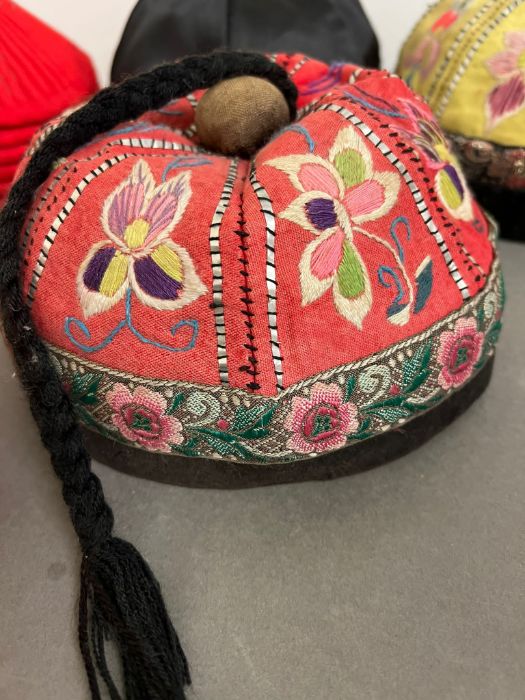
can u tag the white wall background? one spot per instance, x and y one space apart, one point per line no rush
96 25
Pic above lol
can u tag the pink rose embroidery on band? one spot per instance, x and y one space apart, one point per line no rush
321 421
141 418
459 350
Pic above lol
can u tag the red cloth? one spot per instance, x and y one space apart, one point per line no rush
41 74
374 235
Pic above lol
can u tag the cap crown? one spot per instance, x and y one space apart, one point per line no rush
467 57
225 307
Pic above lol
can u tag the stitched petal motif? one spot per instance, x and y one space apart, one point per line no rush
327 255
313 211
352 291
364 199
310 173
125 204
503 64
351 157
374 198
102 278
506 99
315 275
166 278
515 41
166 206
313 176
454 193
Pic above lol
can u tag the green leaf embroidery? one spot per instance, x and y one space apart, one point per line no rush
392 401
350 274
249 422
362 432
491 339
391 413
480 316
84 389
224 443
188 448
254 433
350 386
415 369
177 400
493 334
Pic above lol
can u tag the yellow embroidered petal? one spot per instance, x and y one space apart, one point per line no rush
168 261
115 275
136 233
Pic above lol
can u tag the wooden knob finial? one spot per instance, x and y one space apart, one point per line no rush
238 115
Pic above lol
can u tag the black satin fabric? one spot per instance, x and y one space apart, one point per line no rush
165 30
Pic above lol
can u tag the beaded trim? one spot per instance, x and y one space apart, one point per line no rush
489 163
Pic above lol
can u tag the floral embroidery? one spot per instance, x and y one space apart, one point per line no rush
424 57
138 218
322 421
508 67
337 195
459 350
338 407
451 184
141 417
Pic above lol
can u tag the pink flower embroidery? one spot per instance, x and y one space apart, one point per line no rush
459 350
508 67
336 196
141 417
322 421
138 218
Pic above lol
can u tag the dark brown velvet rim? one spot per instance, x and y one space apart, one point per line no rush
217 474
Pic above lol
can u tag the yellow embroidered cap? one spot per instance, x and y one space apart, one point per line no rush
467 58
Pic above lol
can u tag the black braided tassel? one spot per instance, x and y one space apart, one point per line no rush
120 599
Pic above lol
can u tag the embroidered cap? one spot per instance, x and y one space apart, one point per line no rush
42 74
216 320
467 58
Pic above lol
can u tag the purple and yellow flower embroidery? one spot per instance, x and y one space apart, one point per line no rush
508 67
138 218
451 184
336 196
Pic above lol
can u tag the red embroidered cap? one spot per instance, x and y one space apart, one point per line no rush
323 305
42 73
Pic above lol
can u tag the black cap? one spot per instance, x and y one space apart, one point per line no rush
160 31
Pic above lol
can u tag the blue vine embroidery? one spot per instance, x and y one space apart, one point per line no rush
184 161
71 322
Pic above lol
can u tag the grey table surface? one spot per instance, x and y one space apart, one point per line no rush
405 582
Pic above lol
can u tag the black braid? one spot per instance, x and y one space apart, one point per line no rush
119 593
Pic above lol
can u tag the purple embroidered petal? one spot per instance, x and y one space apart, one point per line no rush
125 207
321 213
453 175
154 281
163 207
97 266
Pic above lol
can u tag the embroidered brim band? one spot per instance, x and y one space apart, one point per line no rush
321 295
